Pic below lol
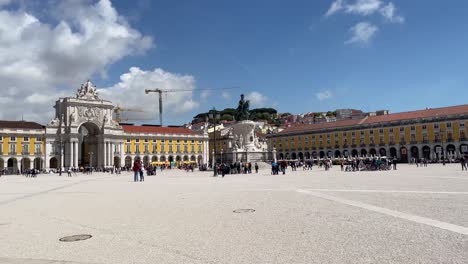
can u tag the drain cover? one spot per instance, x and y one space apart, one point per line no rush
75 238
239 211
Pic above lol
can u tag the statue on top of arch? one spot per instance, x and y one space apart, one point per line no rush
87 91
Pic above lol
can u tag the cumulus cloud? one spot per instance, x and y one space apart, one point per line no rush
389 13
39 58
323 95
336 6
364 7
256 99
130 92
362 33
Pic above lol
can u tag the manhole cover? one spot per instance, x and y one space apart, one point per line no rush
239 211
75 238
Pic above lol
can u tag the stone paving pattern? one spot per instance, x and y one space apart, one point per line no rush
412 215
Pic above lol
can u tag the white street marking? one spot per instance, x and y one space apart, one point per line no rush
414 218
385 191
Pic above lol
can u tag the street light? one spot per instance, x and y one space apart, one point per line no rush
442 142
214 116
221 156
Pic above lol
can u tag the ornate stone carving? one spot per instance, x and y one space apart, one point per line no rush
54 122
87 91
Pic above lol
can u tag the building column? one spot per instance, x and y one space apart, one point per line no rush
104 147
109 153
122 157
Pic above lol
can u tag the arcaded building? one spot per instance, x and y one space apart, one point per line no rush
83 133
429 133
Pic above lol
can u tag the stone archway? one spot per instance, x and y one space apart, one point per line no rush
354 153
393 152
372 152
185 158
382 152
53 163
200 159
301 156
117 162
293 156
193 158
162 159
464 149
171 158
307 155
403 154
337 154
88 141
178 158
345 153
414 152
25 164
146 161
2 164
451 151
128 162
281 156
154 158
363 152
329 154
426 152
37 163
322 154
12 165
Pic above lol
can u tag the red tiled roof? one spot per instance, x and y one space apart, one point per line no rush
157 130
419 114
20 124
426 113
319 126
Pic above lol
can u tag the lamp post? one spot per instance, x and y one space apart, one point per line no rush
214 115
221 156
61 156
442 142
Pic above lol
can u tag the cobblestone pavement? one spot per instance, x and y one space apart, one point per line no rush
412 215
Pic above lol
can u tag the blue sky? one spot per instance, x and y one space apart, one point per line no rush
298 56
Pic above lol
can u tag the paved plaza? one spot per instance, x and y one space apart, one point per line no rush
412 215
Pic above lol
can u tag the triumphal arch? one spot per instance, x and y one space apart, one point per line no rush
83 132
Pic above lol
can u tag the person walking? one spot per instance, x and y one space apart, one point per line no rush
136 170
142 173
256 167
463 163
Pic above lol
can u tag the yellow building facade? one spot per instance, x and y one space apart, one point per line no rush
430 134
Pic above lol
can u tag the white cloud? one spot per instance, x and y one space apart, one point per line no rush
336 6
362 33
205 94
36 57
324 95
226 95
256 99
364 7
388 12
4 2
130 92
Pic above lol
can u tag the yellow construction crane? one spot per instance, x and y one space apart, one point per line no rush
118 110
160 91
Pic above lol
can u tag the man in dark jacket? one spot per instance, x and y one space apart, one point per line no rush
136 170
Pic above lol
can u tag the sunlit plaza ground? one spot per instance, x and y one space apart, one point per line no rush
412 215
